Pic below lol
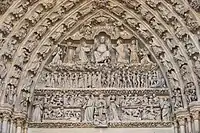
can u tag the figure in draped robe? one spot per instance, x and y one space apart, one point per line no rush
101 54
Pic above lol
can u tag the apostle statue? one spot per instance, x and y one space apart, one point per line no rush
101 53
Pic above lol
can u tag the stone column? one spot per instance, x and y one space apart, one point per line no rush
19 126
26 127
11 126
196 121
189 120
175 127
14 127
8 127
182 124
5 123
1 119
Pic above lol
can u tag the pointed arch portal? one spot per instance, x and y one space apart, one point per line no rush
99 66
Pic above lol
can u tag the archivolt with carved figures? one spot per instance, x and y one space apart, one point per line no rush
107 62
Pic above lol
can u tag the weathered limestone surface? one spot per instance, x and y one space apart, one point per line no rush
120 65
104 130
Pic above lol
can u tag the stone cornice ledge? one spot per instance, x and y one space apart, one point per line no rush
19 115
110 125
182 112
6 108
194 106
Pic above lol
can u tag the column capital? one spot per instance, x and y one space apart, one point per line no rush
181 112
181 120
19 122
195 115
26 125
189 118
19 115
175 124
6 116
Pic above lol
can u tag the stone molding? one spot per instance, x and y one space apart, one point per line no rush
110 125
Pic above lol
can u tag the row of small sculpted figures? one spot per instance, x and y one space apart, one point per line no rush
101 110
71 100
74 115
117 79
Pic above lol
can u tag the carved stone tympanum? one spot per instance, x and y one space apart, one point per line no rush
99 63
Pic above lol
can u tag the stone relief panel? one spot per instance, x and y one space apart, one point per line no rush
101 63
54 38
100 107
102 22
98 79
96 59
93 60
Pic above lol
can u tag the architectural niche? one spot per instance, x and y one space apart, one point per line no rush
99 64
